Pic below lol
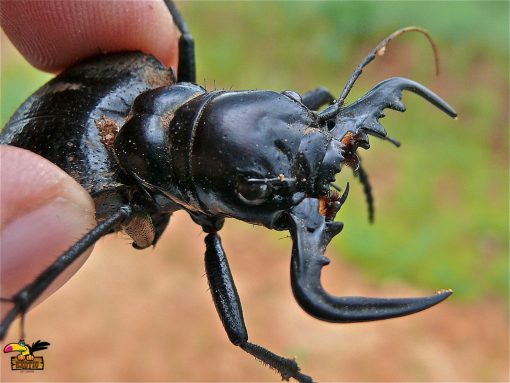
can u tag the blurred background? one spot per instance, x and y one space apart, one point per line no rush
441 220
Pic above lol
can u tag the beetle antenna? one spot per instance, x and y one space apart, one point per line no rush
24 298
377 51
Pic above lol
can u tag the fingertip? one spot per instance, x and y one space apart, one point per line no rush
43 212
30 181
52 35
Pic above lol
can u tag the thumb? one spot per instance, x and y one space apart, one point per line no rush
43 212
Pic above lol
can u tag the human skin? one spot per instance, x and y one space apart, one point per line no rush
43 211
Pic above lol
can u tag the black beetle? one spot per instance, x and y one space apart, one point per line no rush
146 143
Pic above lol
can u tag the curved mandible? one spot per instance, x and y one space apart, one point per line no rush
366 112
311 233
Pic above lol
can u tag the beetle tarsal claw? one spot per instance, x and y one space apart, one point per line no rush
311 234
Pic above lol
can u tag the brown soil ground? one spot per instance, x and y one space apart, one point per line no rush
147 316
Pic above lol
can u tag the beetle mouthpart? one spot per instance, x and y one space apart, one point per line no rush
353 162
345 194
362 140
384 138
311 233
330 204
393 141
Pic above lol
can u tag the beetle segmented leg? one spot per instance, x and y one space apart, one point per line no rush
316 98
186 71
24 298
228 305
288 368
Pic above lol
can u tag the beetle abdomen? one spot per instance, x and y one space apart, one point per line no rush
73 119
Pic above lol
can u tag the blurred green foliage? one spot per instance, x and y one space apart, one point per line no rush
442 199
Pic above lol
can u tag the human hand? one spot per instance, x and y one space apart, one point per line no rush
43 211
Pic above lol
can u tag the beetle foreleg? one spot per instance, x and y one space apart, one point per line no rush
186 71
24 298
316 98
229 308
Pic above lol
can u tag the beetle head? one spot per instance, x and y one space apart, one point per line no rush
256 155
264 158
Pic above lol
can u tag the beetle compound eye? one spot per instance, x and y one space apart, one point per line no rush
253 193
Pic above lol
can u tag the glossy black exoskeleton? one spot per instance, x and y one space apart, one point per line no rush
145 144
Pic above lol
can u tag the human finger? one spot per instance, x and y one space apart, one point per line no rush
52 35
43 211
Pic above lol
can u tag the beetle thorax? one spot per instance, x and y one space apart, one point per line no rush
206 151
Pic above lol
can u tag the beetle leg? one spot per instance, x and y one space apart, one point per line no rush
186 71
24 298
316 98
229 308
